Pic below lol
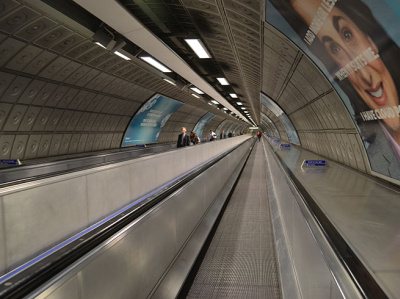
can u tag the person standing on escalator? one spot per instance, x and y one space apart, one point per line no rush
259 135
183 139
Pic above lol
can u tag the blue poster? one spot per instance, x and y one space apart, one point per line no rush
355 43
230 129
148 122
290 130
202 123
270 124
220 128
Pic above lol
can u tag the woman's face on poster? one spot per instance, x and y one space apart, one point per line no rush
344 42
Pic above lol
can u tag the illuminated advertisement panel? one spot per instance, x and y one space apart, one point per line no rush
148 122
220 127
202 123
270 124
230 128
275 109
356 45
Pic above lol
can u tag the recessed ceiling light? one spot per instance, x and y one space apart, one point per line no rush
195 95
156 64
243 108
198 47
225 108
195 89
215 102
100 44
233 95
169 81
122 55
223 81
239 103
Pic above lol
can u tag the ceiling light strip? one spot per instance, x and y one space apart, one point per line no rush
115 15
198 47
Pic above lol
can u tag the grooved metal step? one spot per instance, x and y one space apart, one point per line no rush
240 261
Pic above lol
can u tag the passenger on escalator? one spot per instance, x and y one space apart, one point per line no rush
183 139
222 135
193 138
259 135
212 136
230 134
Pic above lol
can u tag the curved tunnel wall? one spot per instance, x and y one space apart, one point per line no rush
62 94
323 124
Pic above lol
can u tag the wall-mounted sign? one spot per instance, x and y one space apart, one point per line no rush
10 162
146 125
314 163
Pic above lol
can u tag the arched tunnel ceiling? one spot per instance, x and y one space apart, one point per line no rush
231 31
62 94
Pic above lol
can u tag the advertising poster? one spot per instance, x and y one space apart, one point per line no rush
148 122
290 130
220 127
270 125
202 123
230 128
355 43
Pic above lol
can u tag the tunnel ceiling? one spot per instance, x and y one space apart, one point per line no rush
62 94
231 31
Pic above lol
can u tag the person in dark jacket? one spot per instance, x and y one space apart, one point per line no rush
193 138
259 134
222 135
183 139
230 134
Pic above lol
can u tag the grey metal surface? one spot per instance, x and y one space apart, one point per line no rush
131 263
240 262
174 279
40 214
363 209
308 266
54 166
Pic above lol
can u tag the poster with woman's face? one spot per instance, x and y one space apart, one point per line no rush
356 45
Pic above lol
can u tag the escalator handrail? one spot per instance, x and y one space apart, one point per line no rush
29 277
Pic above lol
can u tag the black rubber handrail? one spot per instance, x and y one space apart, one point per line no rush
31 278
361 277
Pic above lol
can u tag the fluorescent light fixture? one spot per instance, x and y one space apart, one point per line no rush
225 108
223 81
121 55
215 102
233 95
198 47
195 89
100 44
209 103
239 103
243 108
169 81
156 64
195 95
